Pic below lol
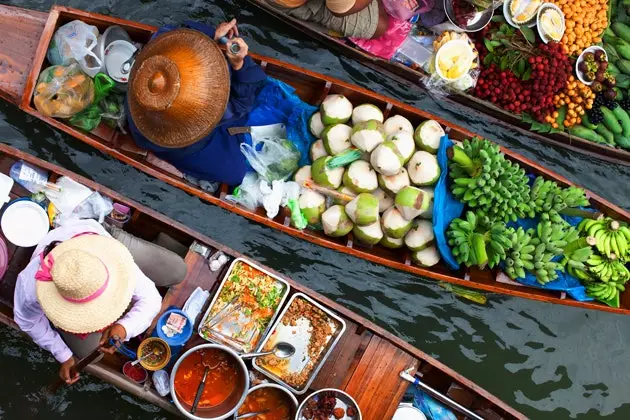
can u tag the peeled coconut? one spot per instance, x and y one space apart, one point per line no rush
392 243
316 125
324 176
404 143
385 200
428 213
336 138
366 112
394 183
426 257
360 177
370 234
336 109
420 236
428 136
397 123
423 168
347 191
336 222
363 209
312 205
412 202
394 224
318 150
367 135
303 174
386 159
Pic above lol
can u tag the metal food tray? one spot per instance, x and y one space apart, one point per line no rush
332 342
219 338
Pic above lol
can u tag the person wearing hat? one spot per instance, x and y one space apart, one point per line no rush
82 287
185 94
365 19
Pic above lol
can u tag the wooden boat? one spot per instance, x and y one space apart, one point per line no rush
365 363
415 76
29 34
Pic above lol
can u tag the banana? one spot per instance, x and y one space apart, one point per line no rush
613 244
607 244
595 227
622 244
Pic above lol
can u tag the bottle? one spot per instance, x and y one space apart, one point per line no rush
33 179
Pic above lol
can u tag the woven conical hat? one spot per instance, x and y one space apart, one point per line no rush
179 88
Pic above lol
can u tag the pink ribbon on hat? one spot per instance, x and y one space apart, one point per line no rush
44 274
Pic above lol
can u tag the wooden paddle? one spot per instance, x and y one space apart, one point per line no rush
77 368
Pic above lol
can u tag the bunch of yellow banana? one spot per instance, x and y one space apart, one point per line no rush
609 235
604 291
608 269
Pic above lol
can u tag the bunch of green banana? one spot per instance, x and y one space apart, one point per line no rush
604 291
495 188
473 243
608 269
547 196
576 253
520 255
609 235
549 242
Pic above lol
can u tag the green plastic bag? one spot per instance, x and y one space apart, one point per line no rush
90 118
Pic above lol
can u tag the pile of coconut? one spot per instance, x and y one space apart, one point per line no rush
390 186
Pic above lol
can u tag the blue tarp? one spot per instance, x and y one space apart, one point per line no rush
430 407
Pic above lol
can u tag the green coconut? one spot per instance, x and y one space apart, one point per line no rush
420 236
324 176
303 174
336 222
426 257
366 112
347 191
428 213
404 143
370 234
392 243
363 209
428 136
394 224
367 135
423 169
316 125
412 202
386 159
394 183
385 200
360 177
317 150
336 138
312 205
336 109
397 123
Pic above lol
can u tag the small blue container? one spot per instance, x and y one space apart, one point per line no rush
176 342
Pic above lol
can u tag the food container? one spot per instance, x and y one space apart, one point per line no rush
155 362
580 75
183 392
290 397
119 216
508 16
406 411
465 63
175 341
299 336
343 401
24 223
116 54
4 258
541 31
478 19
136 373
111 34
227 331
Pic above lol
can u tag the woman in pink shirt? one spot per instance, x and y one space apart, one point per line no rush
82 287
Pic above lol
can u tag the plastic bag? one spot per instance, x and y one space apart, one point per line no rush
247 194
271 156
105 107
76 41
63 91
94 207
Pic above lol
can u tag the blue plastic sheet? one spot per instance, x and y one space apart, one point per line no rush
430 407
278 103
450 209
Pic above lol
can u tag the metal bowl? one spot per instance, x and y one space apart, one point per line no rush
343 400
286 392
230 405
479 21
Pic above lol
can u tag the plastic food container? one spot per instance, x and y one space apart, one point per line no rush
543 35
24 223
157 362
467 61
136 373
177 341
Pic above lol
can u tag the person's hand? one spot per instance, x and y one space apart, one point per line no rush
66 373
115 331
237 60
226 29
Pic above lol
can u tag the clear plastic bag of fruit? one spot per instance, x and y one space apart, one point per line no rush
62 91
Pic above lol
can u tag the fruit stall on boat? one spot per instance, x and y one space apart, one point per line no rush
386 184
530 63
228 305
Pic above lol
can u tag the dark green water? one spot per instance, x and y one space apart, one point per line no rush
550 362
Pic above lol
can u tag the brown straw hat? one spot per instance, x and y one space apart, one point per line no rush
179 88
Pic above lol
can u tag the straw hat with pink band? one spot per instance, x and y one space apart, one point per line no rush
86 283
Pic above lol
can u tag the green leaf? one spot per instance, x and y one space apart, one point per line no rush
505 28
488 44
536 126
520 67
496 43
505 42
488 59
528 34
504 62
526 118
498 19
527 75
545 128
557 130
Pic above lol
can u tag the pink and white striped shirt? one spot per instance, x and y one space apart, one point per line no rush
30 317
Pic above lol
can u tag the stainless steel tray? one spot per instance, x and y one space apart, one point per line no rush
299 341
217 337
